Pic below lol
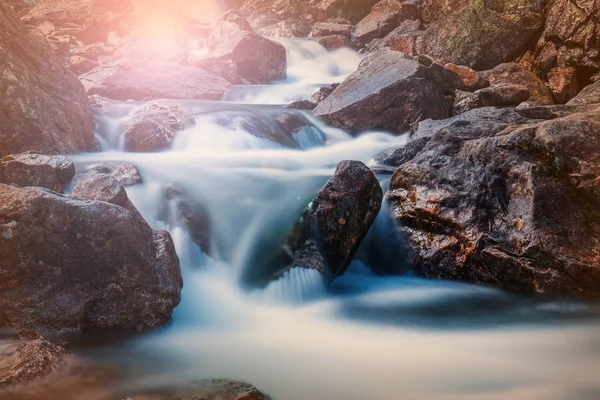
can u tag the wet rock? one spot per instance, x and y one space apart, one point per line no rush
334 42
44 106
96 265
291 27
153 127
512 73
388 91
384 17
242 56
27 357
323 93
563 83
484 33
589 95
32 169
236 18
211 389
81 65
397 36
126 174
302 105
137 79
495 197
335 223
105 14
95 185
472 80
330 28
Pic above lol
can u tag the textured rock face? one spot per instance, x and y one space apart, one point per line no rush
515 74
484 33
242 56
153 127
332 27
126 174
496 197
589 95
493 96
136 79
96 265
334 42
563 83
31 169
44 105
27 357
337 220
388 91
384 17
213 389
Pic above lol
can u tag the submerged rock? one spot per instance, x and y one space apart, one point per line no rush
96 265
497 197
32 169
138 79
388 91
153 127
335 223
44 106
210 389
242 56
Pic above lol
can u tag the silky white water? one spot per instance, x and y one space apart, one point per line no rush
366 337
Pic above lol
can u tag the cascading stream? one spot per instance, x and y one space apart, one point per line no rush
365 337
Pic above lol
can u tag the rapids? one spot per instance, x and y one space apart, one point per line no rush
366 337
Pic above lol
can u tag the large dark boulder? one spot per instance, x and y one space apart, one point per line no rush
153 127
242 56
384 17
505 197
32 169
138 79
44 106
335 223
484 33
389 91
69 264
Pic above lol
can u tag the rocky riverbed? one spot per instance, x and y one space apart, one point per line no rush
178 172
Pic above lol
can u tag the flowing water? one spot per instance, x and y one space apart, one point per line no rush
365 337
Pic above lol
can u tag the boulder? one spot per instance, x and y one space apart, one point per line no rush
337 220
472 80
27 356
98 14
384 17
153 127
96 265
126 174
242 56
493 96
563 83
235 17
32 169
589 95
505 197
484 33
209 389
291 27
95 185
512 73
388 91
138 79
352 10
332 27
334 42
397 38
44 106
323 93
80 65
436 10
302 105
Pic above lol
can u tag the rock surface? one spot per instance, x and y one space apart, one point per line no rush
137 79
337 220
589 95
484 33
44 106
212 389
388 91
515 74
242 56
126 174
153 127
31 169
505 197
384 17
96 265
